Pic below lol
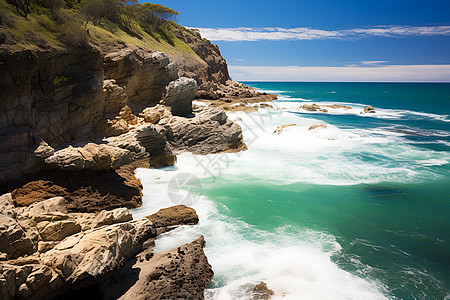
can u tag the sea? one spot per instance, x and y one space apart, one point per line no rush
359 209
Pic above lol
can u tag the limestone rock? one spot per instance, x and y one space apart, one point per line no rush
174 215
117 215
14 240
91 156
7 206
280 128
210 131
179 96
317 126
145 75
95 252
153 114
369 109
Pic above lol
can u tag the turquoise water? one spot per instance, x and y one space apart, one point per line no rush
357 210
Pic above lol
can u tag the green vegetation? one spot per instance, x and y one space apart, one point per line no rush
45 24
59 80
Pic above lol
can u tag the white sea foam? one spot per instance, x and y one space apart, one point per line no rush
294 262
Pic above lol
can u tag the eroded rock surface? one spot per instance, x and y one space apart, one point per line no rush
209 131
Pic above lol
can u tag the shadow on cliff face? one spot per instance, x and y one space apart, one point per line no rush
118 283
84 191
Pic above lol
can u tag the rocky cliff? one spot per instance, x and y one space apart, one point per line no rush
74 123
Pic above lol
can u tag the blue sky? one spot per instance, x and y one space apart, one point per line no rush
324 40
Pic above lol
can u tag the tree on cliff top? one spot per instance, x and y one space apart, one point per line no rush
155 15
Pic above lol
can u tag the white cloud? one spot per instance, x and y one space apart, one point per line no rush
373 62
371 73
303 33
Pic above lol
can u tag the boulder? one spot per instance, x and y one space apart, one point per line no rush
14 240
311 107
90 254
118 215
280 128
179 96
260 291
174 215
7 206
90 157
317 126
210 131
369 109
153 114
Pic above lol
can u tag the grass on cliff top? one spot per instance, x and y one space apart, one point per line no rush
64 28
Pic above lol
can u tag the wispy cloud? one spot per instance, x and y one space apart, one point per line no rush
370 73
373 62
303 33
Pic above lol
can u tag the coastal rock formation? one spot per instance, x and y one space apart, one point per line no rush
280 128
174 215
261 292
369 109
90 157
145 74
67 251
180 273
212 68
179 96
311 107
103 190
317 126
209 131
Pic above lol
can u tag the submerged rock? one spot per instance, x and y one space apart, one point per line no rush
262 292
280 128
317 126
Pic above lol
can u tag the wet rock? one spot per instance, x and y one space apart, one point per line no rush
369 109
174 215
262 292
317 126
311 107
280 128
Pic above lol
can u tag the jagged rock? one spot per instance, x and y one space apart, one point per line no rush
117 215
7 206
91 156
31 281
153 114
14 240
179 96
95 252
262 292
143 141
210 131
369 109
180 273
174 215
143 73
280 128
311 107
317 126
